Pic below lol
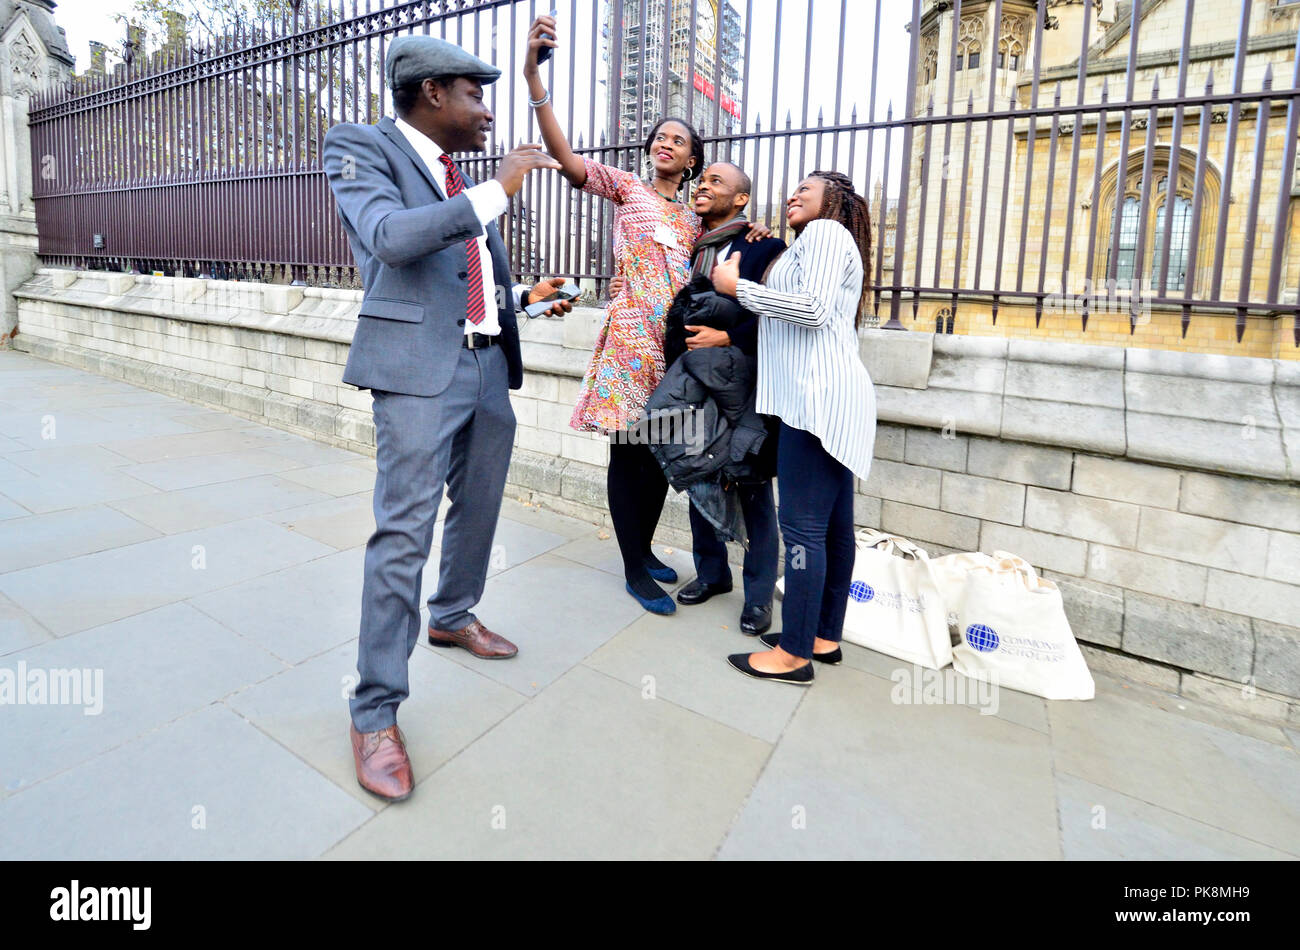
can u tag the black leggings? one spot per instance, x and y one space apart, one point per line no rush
637 490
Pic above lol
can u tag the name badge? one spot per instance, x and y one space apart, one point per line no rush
664 235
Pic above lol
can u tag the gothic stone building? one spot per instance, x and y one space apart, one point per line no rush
1004 54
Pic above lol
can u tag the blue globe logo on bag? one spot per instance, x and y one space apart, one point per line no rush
861 591
981 638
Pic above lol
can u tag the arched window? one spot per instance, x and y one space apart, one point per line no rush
1180 227
970 40
1011 45
930 56
1163 203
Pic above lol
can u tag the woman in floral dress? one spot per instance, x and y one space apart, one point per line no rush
653 238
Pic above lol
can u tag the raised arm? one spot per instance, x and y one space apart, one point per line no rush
571 166
825 249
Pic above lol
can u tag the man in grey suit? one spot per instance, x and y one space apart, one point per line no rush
438 346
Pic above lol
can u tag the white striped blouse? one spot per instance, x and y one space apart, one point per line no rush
810 372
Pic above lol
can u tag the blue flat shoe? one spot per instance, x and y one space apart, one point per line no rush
665 574
660 605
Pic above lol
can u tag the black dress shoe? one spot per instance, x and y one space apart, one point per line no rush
803 676
755 620
697 592
773 640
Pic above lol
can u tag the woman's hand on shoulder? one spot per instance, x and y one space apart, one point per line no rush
758 232
727 275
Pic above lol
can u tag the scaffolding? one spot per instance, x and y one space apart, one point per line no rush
646 68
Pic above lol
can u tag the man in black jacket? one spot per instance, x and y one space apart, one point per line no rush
720 200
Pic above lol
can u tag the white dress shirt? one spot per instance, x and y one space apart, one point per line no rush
489 202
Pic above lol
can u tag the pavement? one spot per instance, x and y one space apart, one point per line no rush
202 574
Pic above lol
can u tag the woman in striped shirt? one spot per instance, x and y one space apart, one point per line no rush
811 377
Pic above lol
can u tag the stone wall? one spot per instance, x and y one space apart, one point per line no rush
1159 489
33 55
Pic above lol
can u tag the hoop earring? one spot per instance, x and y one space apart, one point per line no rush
688 174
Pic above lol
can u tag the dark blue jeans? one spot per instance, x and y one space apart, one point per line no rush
816 517
759 509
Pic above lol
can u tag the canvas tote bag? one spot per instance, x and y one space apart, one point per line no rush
949 573
894 606
1014 632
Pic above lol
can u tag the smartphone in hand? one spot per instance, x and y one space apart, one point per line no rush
545 52
569 291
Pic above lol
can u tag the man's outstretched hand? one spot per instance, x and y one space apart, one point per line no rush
548 287
516 166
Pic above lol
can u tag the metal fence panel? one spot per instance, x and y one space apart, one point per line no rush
999 180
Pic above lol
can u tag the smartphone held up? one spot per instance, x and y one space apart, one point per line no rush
545 52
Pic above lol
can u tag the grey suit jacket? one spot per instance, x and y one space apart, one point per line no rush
409 243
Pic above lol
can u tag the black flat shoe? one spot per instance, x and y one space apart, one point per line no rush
773 640
803 676
755 620
697 592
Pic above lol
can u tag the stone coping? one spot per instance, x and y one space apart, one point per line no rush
1225 414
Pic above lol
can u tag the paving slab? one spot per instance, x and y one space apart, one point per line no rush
608 774
298 612
56 459
513 543
526 512
190 445
683 659
202 419
175 512
34 428
857 775
307 452
41 539
1100 824
183 792
72 487
556 612
11 509
1240 784
18 628
93 589
176 474
152 668
614 733
305 709
345 522
335 478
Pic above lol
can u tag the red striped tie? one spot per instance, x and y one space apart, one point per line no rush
475 310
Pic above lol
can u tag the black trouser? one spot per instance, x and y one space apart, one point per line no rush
817 525
637 489
711 567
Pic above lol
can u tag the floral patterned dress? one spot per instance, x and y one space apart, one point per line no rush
653 239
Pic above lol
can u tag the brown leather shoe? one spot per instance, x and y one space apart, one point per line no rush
383 768
475 638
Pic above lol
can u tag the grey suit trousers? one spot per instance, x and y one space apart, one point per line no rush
461 438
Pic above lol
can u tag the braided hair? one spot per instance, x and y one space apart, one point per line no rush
841 203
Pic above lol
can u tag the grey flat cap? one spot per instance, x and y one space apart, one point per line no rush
415 58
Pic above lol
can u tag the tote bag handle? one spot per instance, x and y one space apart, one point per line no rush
891 544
